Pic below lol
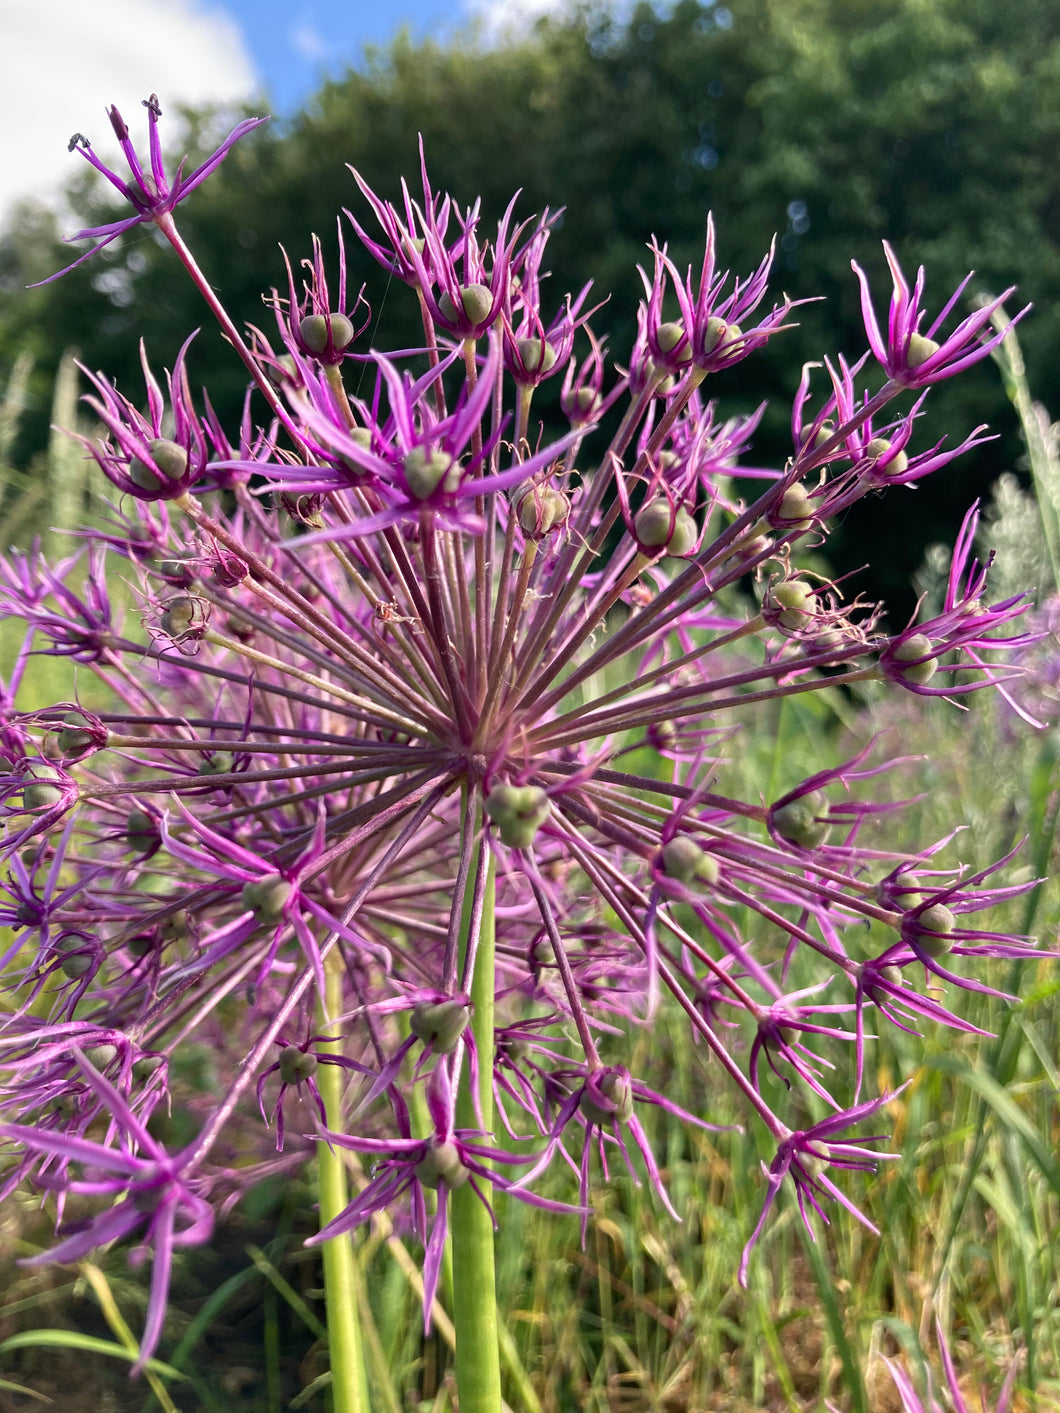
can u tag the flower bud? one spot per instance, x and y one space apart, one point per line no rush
170 463
38 793
441 1166
476 302
932 930
440 1024
920 349
682 859
518 811
541 509
917 646
426 470
878 447
267 897
660 526
296 1064
317 331
797 820
608 1098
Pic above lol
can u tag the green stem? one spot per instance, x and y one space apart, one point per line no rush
341 1277
478 1374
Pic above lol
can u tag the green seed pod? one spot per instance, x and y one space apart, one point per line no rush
142 944
933 928
825 432
440 1024
441 1166
220 763
718 332
671 339
796 508
38 794
788 1033
76 961
587 403
892 974
141 832
876 449
170 464
920 349
146 1066
795 598
477 302
530 355
426 471
797 821
919 645
76 734
266 898
616 1087
518 811
174 928
814 1160
315 328
541 509
296 1065
659 526
681 858
182 615
514 1048
542 952
101 1055
899 892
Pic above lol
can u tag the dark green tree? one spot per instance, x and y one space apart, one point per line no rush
829 122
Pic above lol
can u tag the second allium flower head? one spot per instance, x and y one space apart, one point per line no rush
435 725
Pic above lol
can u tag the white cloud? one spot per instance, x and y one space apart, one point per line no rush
66 61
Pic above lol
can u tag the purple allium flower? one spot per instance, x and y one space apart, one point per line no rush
421 769
150 194
912 356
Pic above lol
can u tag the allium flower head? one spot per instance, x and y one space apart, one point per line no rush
418 767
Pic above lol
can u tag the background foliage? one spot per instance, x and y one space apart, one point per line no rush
832 124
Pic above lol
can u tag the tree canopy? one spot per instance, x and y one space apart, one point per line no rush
831 123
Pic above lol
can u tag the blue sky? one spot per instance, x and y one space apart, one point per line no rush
294 45
67 61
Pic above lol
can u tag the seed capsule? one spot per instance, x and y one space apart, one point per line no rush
296 1065
918 646
440 1024
267 897
933 930
617 1094
518 811
442 1166
797 821
661 526
38 794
